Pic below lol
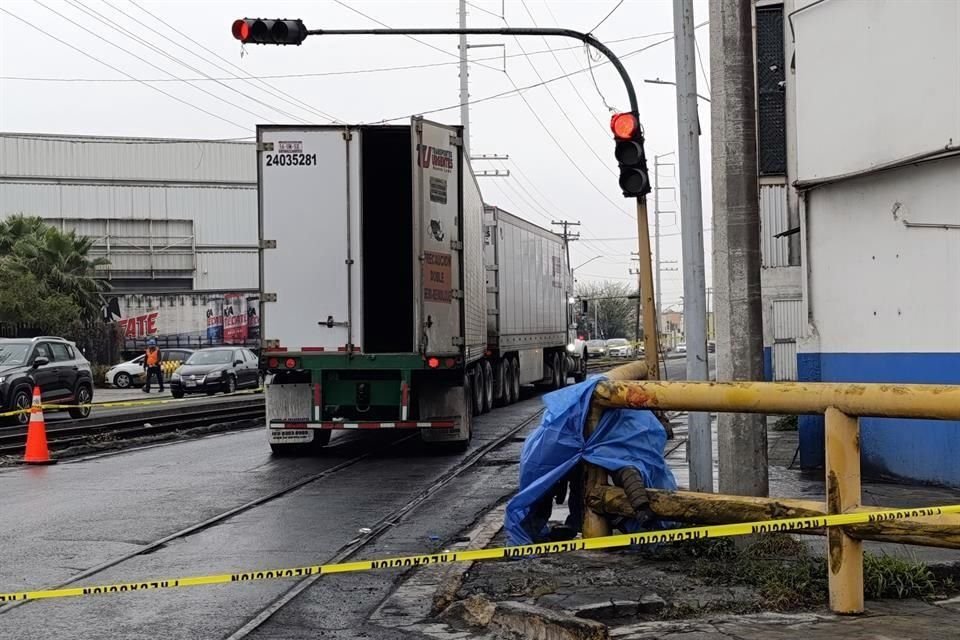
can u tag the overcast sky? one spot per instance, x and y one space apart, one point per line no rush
544 182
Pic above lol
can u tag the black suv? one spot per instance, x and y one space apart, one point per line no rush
53 364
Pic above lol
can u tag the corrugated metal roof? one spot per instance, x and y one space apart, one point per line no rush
28 155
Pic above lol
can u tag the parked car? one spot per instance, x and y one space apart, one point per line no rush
130 373
53 364
681 348
711 346
596 348
620 348
218 369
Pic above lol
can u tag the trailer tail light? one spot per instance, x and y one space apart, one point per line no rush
451 363
433 363
273 363
291 363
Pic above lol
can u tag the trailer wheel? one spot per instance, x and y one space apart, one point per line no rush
564 372
487 386
556 375
476 388
581 372
501 393
514 379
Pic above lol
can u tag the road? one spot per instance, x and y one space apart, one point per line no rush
61 521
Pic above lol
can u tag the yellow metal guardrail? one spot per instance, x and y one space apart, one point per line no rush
842 404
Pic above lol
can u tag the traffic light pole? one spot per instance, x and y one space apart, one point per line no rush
585 38
651 340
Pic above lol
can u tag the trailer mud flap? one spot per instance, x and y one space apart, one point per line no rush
446 403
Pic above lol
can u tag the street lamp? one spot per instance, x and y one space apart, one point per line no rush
668 82
586 263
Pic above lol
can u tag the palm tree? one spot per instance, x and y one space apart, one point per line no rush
59 260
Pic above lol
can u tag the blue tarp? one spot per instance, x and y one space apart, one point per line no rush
624 437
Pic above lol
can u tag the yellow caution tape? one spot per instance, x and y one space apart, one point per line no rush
522 551
122 403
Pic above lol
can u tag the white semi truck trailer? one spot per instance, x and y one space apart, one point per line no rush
390 298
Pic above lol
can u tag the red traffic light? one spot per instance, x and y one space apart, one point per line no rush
241 30
257 31
624 126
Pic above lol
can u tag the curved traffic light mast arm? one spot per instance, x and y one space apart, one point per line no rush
586 38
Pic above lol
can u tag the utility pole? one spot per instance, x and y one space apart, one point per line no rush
464 81
656 231
691 226
736 242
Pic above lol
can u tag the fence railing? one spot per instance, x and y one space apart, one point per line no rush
842 404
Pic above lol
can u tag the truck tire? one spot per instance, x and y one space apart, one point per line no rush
488 384
321 438
501 384
514 379
476 388
555 372
564 372
581 371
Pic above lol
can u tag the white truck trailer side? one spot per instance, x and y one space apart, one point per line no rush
532 339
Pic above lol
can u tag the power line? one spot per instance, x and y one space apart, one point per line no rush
606 17
318 74
144 60
277 93
111 23
703 69
32 25
563 150
563 111
487 11
573 86
511 92
415 39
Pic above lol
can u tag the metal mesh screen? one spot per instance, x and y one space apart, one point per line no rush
771 99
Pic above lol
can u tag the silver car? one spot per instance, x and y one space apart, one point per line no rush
620 348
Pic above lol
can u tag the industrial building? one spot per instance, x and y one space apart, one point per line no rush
873 159
176 218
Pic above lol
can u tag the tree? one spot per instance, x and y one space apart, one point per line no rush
59 262
614 314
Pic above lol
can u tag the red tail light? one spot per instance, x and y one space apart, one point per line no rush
451 363
433 363
273 363
291 363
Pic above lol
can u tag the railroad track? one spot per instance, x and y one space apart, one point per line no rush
347 551
163 421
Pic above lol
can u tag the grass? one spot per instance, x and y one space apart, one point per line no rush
787 576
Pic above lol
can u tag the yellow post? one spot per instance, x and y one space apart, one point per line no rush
844 554
594 524
651 339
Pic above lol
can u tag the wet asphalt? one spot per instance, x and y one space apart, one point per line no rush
60 520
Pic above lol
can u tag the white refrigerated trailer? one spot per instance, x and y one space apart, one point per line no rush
531 335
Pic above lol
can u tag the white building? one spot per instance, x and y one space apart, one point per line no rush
176 218
873 106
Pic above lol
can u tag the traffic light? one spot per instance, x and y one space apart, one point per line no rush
257 31
634 180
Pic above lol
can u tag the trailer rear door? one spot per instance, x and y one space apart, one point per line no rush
308 228
437 229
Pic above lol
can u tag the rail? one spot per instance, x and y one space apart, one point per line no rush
841 404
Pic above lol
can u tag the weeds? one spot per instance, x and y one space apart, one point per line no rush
786 423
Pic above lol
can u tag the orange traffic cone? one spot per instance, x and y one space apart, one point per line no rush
37 451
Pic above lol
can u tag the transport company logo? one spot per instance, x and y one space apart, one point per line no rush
433 157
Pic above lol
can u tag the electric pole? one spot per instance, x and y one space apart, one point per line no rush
656 231
464 81
736 242
700 448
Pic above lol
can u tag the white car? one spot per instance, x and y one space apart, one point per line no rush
681 348
130 373
619 348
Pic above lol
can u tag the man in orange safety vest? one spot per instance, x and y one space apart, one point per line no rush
152 364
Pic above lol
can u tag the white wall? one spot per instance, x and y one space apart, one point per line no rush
877 285
876 81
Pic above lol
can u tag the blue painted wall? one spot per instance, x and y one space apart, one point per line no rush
768 363
921 450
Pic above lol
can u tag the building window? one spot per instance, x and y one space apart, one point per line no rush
771 99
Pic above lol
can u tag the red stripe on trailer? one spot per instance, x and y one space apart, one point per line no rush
313 348
275 350
404 400
317 400
344 348
293 425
